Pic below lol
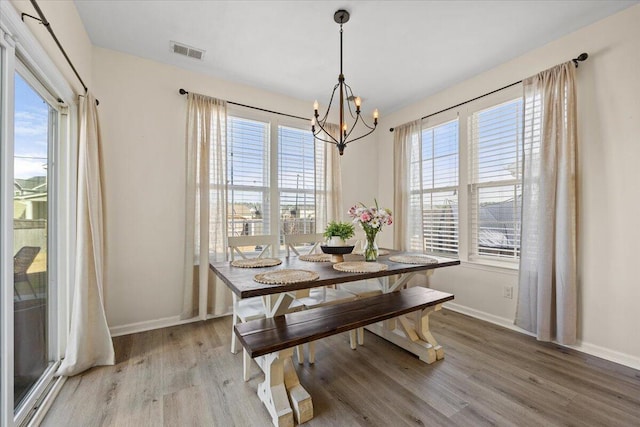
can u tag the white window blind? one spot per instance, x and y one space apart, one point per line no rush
248 177
495 147
439 195
297 180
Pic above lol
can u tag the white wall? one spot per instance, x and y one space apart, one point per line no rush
143 128
608 176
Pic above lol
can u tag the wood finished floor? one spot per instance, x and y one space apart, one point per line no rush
186 376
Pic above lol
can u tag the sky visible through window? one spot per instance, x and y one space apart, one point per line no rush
30 129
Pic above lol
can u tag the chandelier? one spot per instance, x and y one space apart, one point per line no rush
318 124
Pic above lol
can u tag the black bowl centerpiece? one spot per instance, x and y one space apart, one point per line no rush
337 252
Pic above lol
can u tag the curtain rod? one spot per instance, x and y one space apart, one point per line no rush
47 25
580 58
184 92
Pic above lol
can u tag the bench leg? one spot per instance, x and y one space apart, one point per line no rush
299 397
413 334
360 336
422 328
272 391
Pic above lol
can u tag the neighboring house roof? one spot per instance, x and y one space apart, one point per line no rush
30 187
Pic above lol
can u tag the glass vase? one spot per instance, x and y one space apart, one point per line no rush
370 250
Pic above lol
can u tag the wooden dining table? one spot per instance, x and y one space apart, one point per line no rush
412 334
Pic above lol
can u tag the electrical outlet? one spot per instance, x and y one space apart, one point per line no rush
508 292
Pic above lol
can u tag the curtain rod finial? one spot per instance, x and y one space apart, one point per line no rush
390 129
182 91
582 57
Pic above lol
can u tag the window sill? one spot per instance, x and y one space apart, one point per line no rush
510 268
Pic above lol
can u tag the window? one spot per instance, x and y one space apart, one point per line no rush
248 177
437 194
297 164
496 178
466 181
273 181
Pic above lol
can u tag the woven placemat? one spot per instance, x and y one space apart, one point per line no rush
285 276
256 262
360 267
381 252
315 258
413 259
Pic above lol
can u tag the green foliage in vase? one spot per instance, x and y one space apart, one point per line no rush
344 230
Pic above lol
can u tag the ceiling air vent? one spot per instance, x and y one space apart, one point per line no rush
185 50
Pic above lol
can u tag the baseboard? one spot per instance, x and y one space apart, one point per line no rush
607 354
149 325
487 317
584 347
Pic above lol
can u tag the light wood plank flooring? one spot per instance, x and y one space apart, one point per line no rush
186 376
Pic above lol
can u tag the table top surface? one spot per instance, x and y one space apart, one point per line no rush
240 280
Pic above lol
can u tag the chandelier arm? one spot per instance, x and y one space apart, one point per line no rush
326 140
360 137
349 93
367 126
346 137
334 141
326 114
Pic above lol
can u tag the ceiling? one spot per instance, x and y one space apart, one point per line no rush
395 52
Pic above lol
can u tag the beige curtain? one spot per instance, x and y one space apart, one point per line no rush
206 210
329 178
89 341
547 297
407 230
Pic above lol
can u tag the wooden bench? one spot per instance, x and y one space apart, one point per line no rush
264 336
270 341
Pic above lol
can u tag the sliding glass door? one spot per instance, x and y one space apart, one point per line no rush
35 130
38 122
